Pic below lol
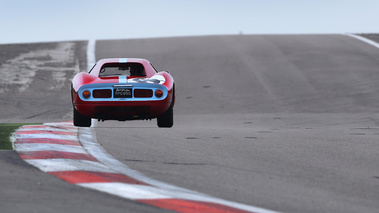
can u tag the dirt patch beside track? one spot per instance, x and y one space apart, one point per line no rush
36 78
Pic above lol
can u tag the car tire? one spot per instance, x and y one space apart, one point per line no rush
81 120
166 120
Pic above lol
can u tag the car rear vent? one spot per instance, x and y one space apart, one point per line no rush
143 93
102 93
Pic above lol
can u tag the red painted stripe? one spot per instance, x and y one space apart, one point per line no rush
55 154
33 126
46 132
47 126
189 206
94 177
47 140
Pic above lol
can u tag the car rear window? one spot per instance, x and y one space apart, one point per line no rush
127 69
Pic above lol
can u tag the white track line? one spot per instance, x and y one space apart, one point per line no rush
91 58
368 41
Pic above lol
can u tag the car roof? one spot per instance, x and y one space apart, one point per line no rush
122 60
149 69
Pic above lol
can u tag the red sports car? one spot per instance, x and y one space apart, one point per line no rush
123 89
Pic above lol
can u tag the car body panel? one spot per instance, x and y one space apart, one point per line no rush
122 97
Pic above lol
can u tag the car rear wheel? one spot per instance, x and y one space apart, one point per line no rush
166 120
81 120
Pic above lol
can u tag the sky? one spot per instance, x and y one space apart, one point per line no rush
24 21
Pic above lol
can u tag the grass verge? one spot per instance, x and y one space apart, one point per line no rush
6 131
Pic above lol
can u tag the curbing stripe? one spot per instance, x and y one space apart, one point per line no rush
50 136
49 147
94 177
46 140
128 191
191 206
48 128
52 154
24 132
56 165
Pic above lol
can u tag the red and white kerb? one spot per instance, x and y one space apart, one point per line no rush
73 155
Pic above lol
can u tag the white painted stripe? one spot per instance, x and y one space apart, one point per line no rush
129 191
60 124
135 191
122 79
50 136
123 60
368 41
26 147
56 165
91 59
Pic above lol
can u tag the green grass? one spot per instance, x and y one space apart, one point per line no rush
6 131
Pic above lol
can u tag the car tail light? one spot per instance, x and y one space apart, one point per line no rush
158 93
102 93
143 93
86 94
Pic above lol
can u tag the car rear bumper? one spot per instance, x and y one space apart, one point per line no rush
123 110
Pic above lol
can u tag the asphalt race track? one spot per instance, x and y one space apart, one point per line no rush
284 122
